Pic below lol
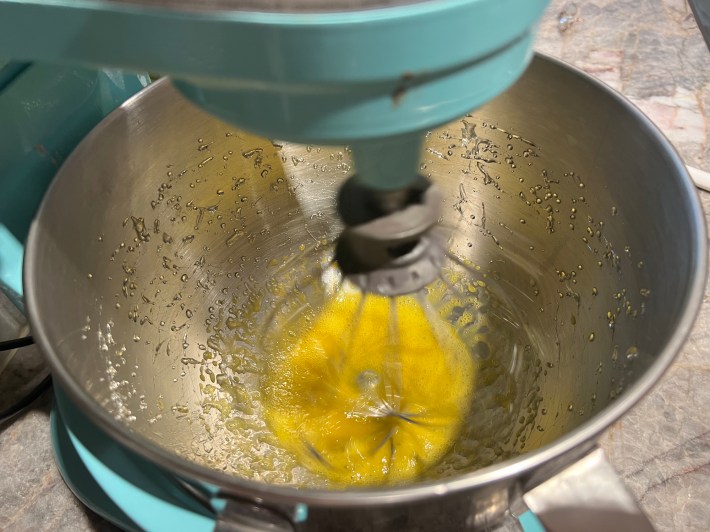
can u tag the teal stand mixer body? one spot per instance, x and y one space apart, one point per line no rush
375 75
372 74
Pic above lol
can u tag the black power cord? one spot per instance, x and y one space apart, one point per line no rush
27 400
34 394
7 345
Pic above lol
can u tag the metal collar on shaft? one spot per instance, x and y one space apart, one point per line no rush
388 246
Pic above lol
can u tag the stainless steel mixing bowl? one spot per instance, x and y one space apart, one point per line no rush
154 254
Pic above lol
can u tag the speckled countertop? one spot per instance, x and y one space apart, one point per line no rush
652 52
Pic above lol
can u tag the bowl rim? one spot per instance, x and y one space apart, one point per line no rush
507 471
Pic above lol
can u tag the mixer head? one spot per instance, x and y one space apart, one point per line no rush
371 74
361 73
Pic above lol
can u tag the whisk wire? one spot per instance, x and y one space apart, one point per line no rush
389 437
431 316
353 329
393 364
298 289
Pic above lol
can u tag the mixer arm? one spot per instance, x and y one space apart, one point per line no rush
356 77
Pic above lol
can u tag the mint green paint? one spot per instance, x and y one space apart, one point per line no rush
330 78
132 492
77 477
10 264
45 110
530 522
261 49
144 494
375 79
347 113
388 163
121 485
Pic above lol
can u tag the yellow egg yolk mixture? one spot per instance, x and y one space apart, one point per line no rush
371 392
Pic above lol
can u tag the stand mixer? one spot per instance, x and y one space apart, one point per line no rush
375 76
372 74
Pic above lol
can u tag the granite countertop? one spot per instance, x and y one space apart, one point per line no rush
653 53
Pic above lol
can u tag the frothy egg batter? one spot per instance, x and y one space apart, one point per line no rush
373 391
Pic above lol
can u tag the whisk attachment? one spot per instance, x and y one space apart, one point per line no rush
370 376
367 391
388 246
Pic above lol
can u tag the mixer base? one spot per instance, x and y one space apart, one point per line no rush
129 491
79 480
117 484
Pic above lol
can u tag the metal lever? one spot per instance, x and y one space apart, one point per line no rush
588 496
240 516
